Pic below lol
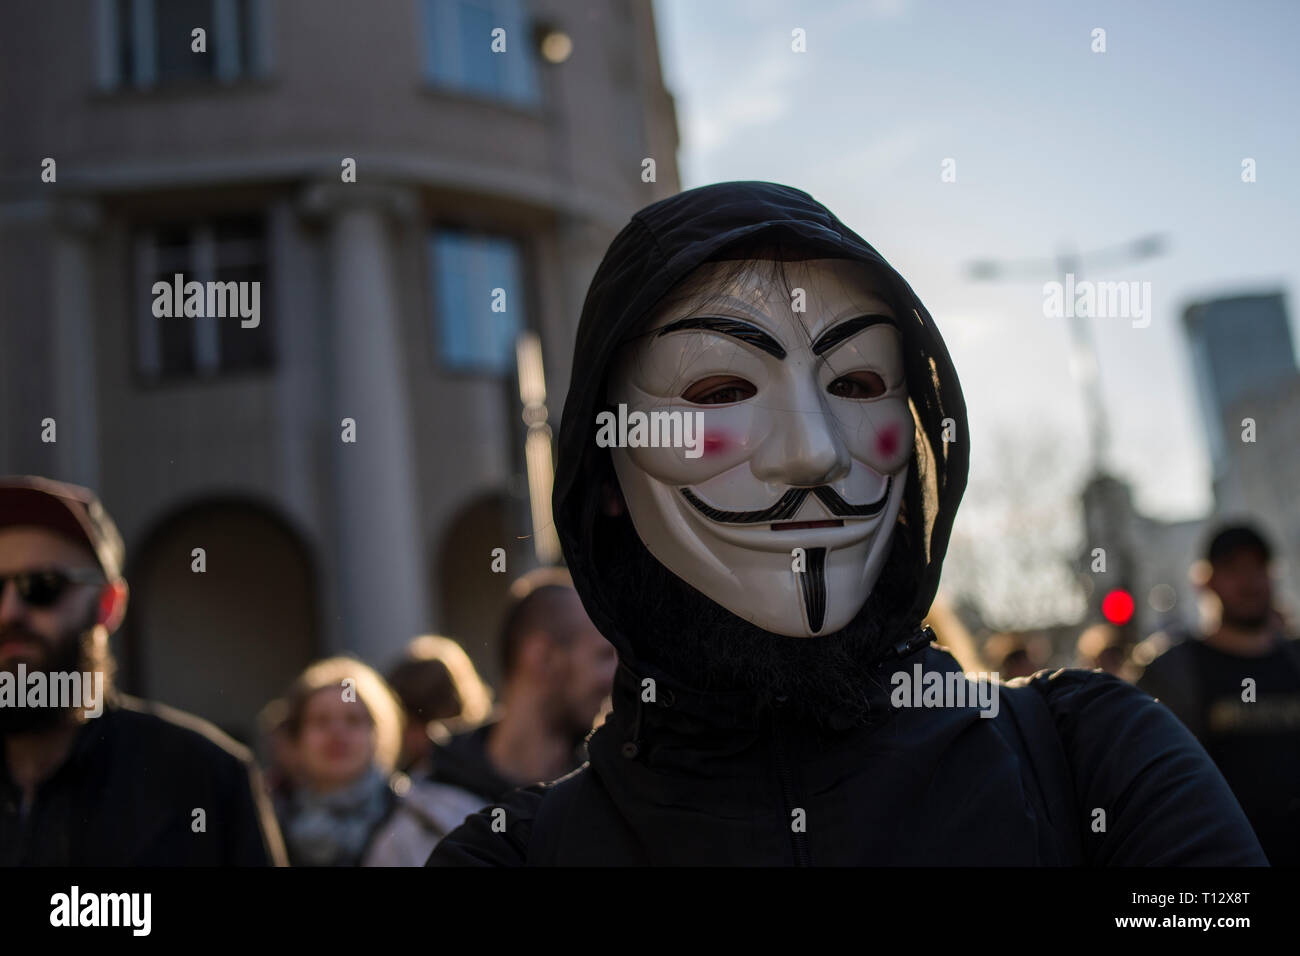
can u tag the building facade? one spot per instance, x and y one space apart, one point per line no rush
1248 387
1240 347
411 185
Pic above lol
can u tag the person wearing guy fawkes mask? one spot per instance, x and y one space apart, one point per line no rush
103 780
765 588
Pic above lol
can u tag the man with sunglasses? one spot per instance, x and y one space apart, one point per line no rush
113 781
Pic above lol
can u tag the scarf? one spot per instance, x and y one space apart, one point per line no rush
332 829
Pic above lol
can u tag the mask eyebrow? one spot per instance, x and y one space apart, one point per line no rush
843 330
725 325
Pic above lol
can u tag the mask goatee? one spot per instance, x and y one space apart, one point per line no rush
678 629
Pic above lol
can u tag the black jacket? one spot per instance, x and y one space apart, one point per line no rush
463 762
1076 768
1260 756
127 796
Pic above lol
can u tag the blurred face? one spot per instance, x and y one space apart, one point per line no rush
807 435
1111 660
586 664
45 637
1242 583
336 743
415 739
1016 664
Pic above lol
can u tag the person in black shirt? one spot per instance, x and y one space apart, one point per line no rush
1238 690
90 777
763 557
557 671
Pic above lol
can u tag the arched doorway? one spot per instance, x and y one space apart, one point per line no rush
220 643
473 596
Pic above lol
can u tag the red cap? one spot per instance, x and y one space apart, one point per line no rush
70 510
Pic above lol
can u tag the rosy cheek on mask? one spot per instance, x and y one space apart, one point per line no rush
725 439
893 440
887 441
879 434
717 442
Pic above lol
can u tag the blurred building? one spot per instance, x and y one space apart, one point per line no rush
488 183
1261 479
1248 386
1240 349
1242 346
1145 558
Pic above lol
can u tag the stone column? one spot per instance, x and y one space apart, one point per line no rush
305 435
381 561
73 315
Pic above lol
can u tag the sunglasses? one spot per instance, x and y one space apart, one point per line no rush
44 588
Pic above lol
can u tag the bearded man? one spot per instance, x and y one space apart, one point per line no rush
90 776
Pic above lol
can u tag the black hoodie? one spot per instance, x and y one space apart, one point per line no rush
1075 768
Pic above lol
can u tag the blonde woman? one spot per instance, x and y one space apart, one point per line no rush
343 729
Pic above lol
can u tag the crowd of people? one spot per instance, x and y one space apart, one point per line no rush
359 769
732 654
1233 681
378 776
353 769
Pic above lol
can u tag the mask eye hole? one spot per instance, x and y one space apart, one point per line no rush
859 385
719 390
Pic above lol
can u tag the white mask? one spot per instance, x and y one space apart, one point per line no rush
807 435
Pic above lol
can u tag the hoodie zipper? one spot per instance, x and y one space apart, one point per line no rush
798 839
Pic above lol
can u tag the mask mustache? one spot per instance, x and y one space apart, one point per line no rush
788 504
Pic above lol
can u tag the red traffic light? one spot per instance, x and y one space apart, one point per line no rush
1117 607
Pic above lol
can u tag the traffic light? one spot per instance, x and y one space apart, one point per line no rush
1117 607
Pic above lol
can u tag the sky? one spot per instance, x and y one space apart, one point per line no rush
1055 147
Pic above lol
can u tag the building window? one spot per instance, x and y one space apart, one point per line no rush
214 254
478 300
458 54
149 43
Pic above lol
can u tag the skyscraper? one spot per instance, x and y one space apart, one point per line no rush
1240 346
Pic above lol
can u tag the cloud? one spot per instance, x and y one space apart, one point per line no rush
881 155
762 96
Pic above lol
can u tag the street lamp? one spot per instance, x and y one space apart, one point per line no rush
1083 360
554 45
537 446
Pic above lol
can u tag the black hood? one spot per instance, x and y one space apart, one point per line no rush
658 248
